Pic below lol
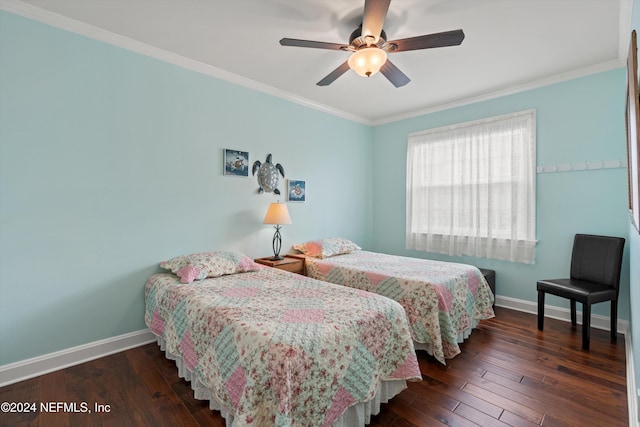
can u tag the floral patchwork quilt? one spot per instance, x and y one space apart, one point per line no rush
276 348
442 299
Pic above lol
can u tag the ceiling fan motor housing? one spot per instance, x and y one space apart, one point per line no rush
356 40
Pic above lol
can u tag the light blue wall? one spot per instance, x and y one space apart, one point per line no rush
634 249
111 161
577 121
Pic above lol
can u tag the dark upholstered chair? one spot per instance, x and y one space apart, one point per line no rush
595 277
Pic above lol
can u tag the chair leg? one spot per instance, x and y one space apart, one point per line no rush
540 310
614 319
586 325
573 312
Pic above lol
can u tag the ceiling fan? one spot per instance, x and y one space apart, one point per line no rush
369 46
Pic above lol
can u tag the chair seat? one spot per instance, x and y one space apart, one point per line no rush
579 290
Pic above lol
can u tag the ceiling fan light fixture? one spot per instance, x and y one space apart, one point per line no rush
367 61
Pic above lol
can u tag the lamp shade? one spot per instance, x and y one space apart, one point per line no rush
278 213
366 62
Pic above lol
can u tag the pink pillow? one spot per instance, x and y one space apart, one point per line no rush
325 248
199 266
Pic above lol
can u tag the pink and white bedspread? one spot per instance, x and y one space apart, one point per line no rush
442 299
277 348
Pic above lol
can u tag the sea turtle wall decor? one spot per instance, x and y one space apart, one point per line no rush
268 175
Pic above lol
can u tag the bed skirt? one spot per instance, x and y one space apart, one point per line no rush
355 416
428 347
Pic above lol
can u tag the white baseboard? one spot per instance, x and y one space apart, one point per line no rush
632 396
597 321
36 366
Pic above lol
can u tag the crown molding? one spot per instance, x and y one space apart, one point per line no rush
535 84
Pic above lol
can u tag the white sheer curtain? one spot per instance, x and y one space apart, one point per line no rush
471 189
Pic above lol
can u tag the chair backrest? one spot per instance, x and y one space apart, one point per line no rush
597 259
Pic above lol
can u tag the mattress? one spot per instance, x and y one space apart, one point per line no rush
271 347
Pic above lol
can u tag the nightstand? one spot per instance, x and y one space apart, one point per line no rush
289 263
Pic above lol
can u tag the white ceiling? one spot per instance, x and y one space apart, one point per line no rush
509 44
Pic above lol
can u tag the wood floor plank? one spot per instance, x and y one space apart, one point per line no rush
538 400
434 397
48 392
478 417
570 391
514 420
23 392
516 403
209 418
456 393
508 374
429 415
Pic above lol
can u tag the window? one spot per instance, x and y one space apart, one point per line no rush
471 189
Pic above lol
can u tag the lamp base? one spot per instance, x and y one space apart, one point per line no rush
277 243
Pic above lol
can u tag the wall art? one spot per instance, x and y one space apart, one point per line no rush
296 190
632 117
267 175
236 162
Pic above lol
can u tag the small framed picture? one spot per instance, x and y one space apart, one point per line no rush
296 190
236 162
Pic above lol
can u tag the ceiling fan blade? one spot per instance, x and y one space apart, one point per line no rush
375 11
428 41
311 43
394 75
332 76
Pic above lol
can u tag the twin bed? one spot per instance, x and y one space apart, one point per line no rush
269 347
444 301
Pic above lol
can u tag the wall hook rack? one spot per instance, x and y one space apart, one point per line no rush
581 166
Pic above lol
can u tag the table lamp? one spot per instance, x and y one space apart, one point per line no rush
277 214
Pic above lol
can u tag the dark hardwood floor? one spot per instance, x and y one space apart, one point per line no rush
508 374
